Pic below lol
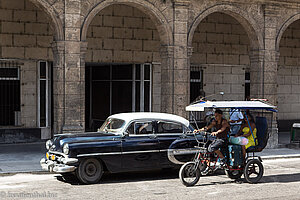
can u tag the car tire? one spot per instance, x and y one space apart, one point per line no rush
89 171
68 177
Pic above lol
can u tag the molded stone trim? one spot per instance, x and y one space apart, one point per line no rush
249 24
159 19
53 15
284 26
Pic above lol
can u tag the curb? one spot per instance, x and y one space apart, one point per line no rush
29 143
25 172
280 157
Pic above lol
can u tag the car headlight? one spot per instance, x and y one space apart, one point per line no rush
49 143
66 149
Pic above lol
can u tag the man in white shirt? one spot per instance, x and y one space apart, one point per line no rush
236 118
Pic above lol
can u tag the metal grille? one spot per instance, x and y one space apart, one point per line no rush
9 93
196 88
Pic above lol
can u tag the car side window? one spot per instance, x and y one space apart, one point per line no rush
169 127
143 128
140 128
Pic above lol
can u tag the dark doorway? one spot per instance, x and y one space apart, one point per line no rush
116 88
9 96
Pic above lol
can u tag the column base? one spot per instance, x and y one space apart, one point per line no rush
273 139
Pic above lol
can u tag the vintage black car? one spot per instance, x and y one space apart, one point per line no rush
125 142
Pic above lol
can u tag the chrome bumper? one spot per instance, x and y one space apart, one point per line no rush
53 166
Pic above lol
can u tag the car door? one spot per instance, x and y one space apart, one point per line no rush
140 147
167 132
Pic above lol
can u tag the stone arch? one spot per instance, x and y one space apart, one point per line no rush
53 15
248 23
283 28
158 18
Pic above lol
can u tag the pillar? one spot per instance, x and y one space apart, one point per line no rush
263 66
68 74
175 63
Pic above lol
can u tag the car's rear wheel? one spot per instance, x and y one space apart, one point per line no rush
89 171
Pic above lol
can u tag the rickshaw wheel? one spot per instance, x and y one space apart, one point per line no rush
253 171
234 174
189 175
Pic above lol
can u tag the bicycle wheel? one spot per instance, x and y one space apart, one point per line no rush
189 174
253 171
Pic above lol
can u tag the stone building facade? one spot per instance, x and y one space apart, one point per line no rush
67 64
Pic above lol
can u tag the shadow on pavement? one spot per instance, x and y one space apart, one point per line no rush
132 176
126 177
282 178
173 174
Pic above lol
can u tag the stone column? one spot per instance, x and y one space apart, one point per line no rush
256 73
264 70
167 79
83 51
175 64
74 72
271 59
58 85
68 74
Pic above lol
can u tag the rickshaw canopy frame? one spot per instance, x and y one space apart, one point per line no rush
241 105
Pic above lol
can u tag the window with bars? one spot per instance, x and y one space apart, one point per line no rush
196 82
196 88
9 93
247 85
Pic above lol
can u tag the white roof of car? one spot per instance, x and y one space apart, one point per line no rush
230 104
127 117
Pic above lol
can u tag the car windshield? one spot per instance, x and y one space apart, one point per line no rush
112 125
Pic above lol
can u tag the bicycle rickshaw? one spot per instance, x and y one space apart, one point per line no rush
235 166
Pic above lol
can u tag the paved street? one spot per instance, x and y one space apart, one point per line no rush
281 181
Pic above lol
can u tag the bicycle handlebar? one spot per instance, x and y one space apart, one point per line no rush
205 135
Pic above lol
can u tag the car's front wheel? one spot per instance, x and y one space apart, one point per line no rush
89 171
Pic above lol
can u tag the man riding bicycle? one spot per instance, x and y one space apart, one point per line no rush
222 129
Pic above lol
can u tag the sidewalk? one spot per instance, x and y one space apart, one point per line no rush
281 153
16 158
21 157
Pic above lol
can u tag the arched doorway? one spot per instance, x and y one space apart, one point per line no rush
220 62
123 71
288 78
26 58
